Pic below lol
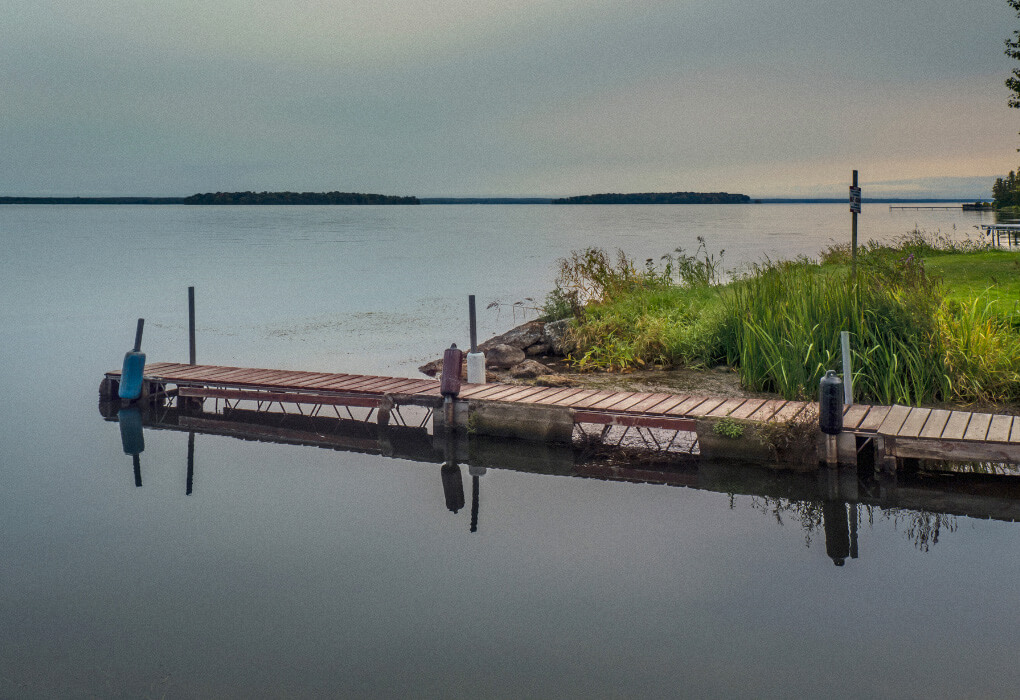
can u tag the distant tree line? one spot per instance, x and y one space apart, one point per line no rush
90 200
296 198
1006 191
658 198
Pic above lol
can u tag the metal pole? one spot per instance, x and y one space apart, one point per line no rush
138 335
191 324
474 324
853 236
475 359
848 391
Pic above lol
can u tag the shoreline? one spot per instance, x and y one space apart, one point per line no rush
721 381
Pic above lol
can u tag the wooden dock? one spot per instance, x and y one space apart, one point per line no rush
995 232
895 431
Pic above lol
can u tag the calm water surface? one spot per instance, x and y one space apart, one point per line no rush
291 570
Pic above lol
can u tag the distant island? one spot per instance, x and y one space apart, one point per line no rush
244 198
296 198
658 198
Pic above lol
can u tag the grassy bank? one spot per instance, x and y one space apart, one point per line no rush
931 320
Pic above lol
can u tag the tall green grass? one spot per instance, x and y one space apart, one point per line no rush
779 323
785 319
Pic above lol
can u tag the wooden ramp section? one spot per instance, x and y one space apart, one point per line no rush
898 431
243 383
933 433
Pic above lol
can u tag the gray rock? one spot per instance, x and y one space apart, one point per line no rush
529 369
432 368
537 349
556 380
556 336
503 356
520 337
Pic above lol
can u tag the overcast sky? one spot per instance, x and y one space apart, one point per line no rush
516 97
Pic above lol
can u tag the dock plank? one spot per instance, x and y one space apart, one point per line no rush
488 390
977 428
613 401
558 395
525 393
998 431
935 424
1014 432
747 408
871 422
956 425
594 399
915 422
574 398
630 401
705 407
894 420
790 411
542 396
470 390
727 407
508 395
667 404
853 415
685 407
767 410
648 404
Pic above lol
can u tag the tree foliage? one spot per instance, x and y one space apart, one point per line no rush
1013 51
1006 191
296 198
659 197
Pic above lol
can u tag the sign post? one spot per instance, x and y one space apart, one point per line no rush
855 209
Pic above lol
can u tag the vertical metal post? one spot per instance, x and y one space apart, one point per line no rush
138 335
191 325
853 236
475 359
473 322
848 377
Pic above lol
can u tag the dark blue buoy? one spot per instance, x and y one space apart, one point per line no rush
830 404
131 437
134 367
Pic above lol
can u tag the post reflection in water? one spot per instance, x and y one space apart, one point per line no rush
840 539
453 487
191 464
475 473
832 501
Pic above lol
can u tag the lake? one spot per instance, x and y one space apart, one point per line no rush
271 569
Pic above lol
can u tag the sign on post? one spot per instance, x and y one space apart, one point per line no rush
855 199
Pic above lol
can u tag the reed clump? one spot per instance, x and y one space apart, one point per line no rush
779 322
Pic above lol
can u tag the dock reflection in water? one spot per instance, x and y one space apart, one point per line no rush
831 502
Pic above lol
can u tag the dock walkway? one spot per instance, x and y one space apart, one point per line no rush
898 431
